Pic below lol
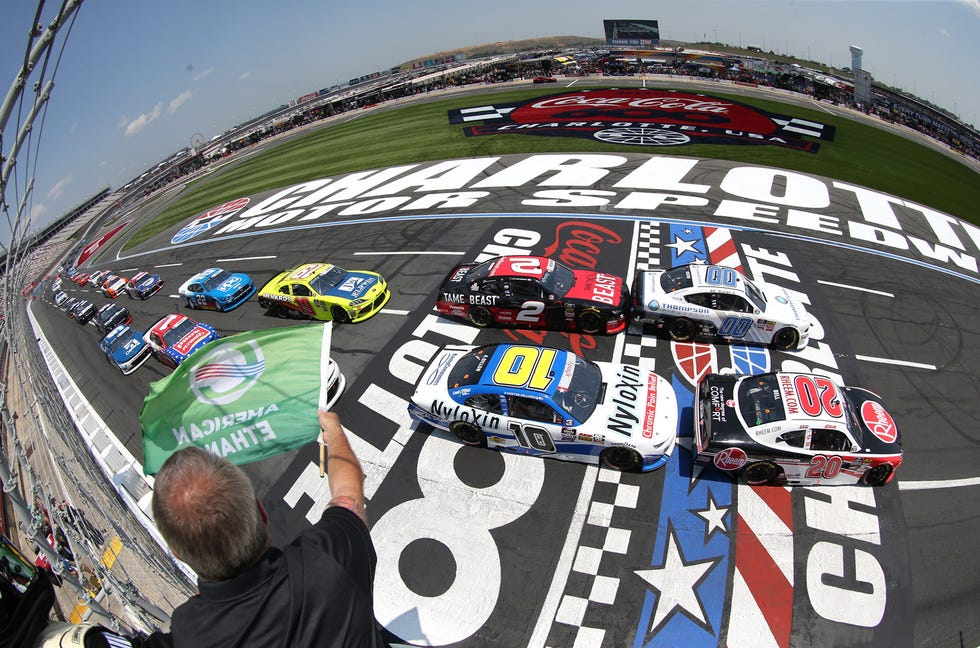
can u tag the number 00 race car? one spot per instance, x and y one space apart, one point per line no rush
796 429
712 300
535 292
324 291
542 401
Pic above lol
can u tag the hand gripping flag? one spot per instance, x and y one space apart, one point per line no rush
245 397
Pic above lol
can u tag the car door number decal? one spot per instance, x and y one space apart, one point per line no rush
532 436
523 366
735 327
531 312
824 467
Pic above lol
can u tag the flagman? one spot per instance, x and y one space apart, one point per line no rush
315 591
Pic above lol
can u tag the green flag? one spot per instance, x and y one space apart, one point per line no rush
245 397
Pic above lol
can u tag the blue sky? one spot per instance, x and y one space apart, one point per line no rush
137 79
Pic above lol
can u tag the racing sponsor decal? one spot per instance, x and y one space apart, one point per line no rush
209 220
730 459
650 416
624 395
642 117
879 421
186 343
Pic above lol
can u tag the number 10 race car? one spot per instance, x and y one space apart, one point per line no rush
548 402
795 429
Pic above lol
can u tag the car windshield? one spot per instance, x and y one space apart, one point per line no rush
123 341
754 294
216 280
480 271
675 279
583 390
760 401
558 280
173 336
323 282
469 368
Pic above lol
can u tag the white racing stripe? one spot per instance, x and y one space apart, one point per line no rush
935 485
900 363
847 287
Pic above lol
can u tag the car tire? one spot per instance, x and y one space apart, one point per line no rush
877 476
621 458
339 315
190 303
480 316
760 473
591 321
469 433
786 339
681 329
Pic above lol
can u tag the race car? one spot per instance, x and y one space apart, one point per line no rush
538 292
60 298
175 337
217 289
95 279
714 301
549 402
144 285
324 291
68 305
110 316
794 429
125 348
80 279
83 311
113 286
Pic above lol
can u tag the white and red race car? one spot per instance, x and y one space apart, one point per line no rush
795 429
714 301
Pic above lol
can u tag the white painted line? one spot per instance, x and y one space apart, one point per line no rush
392 311
168 265
174 296
407 253
901 363
867 290
932 485
254 258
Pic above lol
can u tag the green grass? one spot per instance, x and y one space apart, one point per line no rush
860 154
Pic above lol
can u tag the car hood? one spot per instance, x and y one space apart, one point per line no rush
782 306
356 285
637 406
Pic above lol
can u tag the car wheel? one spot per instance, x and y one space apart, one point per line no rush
339 315
878 476
469 433
760 472
621 458
480 316
681 329
786 339
190 303
591 321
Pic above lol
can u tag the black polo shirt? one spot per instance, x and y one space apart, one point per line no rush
315 591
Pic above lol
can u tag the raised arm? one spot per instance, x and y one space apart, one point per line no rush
344 474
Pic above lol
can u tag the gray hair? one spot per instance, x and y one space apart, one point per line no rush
206 510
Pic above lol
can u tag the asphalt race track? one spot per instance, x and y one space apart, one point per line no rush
478 548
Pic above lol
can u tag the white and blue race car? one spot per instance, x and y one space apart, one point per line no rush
713 301
125 348
217 289
549 402
144 285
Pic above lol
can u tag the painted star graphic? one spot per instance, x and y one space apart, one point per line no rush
681 246
715 518
675 584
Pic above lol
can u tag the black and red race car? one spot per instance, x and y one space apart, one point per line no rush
795 429
535 292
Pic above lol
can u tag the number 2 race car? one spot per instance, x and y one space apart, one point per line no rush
324 291
548 402
535 292
796 429
710 300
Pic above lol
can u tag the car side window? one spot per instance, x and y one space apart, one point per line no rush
698 299
524 290
195 287
794 438
486 402
300 290
741 305
833 440
284 289
535 410
490 287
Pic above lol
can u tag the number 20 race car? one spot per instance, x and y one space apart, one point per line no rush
795 429
535 292
548 402
710 300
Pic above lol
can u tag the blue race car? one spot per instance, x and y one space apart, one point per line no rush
125 348
217 289
144 285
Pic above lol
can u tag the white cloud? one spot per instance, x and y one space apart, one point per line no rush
974 5
144 120
244 76
201 75
944 32
179 100
38 210
54 193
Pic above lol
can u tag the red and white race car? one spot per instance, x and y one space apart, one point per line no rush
796 429
535 292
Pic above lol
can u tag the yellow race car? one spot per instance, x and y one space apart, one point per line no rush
324 291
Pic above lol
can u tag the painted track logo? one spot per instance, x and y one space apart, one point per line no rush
227 372
644 117
209 220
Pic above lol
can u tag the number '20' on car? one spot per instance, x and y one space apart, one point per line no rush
549 402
